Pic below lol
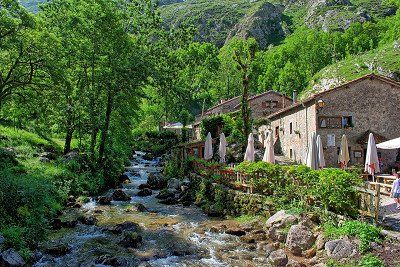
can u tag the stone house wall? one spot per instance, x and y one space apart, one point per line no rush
267 103
292 131
224 107
371 103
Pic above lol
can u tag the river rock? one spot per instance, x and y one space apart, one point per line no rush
144 192
157 181
131 240
56 224
102 200
87 220
169 201
235 231
2 239
143 186
11 258
109 260
124 178
120 195
278 258
69 224
174 184
341 248
126 226
277 234
320 242
281 219
293 263
144 264
299 239
58 250
249 239
166 193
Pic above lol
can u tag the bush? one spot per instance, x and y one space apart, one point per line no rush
370 260
365 232
332 189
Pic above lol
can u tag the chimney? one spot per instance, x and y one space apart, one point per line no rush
294 97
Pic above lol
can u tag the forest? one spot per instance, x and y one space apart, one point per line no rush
88 76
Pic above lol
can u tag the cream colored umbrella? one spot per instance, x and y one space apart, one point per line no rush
312 153
344 155
208 150
249 155
269 155
222 148
320 149
371 158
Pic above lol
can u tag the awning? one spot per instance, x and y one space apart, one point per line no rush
391 144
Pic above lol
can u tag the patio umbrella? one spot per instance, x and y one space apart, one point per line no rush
312 153
344 156
249 156
222 148
320 148
269 155
371 158
208 150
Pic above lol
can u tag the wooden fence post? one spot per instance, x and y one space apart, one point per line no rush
377 202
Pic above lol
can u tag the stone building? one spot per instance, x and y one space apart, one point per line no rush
368 104
261 105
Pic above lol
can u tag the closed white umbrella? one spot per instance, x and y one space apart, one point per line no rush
222 148
321 157
208 150
371 158
269 155
344 155
249 155
312 153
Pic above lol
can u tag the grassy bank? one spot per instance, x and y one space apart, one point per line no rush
33 189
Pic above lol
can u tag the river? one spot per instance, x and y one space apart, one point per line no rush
173 235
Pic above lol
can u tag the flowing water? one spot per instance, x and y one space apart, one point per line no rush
173 235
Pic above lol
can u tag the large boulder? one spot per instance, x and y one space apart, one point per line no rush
281 219
11 258
277 234
126 226
299 239
278 258
87 220
166 193
120 195
341 249
49 155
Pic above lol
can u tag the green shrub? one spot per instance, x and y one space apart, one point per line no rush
370 260
365 232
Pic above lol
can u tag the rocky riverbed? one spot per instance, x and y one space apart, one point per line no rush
150 221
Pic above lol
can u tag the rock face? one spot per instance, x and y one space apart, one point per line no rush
278 258
299 239
265 25
341 248
11 258
120 195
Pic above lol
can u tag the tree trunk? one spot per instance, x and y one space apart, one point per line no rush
104 131
245 105
93 139
68 139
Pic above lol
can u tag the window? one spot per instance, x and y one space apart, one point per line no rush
347 122
291 153
277 131
290 128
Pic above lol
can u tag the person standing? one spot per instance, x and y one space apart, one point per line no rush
396 189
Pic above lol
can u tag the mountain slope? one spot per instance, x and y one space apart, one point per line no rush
383 60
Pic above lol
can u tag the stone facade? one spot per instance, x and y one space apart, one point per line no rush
261 105
370 103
